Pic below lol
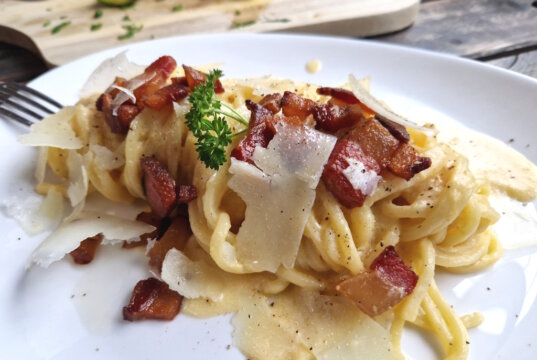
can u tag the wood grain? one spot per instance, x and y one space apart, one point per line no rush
31 24
524 63
472 28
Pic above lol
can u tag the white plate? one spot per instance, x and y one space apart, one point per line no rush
64 313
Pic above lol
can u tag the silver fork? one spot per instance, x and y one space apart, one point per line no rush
25 105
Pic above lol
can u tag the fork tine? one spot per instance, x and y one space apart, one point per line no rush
14 116
21 108
36 93
4 90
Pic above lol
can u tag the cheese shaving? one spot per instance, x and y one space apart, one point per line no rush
278 195
54 131
361 178
104 75
192 279
68 236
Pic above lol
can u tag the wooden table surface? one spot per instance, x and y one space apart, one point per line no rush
499 32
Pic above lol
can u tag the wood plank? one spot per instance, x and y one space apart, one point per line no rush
472 28
33 21
524 63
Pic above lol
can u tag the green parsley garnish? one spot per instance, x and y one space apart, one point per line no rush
240 24
56 29
207 121
126 18
98 14
177 8
46 23
130 30
95 27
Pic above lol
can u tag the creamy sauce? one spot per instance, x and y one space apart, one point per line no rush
505 169
314 66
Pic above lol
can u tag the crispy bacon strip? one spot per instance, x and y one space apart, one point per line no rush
152 299
195 77
166 95
159 187
406 162
186 193
272 102
344 95
295 105
258 133
175 237
384 286
85 252
374 140
330 117
335 180
396 129
154 78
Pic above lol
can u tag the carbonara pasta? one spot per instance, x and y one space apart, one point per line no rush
439 218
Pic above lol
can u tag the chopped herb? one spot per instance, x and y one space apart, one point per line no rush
240 24
280 20
207 121
126 18
63 17
98 14
177 8
56 29
130 30
46 23
95 27
237 12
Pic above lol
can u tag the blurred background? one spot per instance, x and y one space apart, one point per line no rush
38 35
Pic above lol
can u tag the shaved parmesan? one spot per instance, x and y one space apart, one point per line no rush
378 107
54 131
105 74
96 203
69 235
78 178
300 323
278 195
192 279
361 178
35 214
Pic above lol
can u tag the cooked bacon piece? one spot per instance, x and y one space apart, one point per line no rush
295 105
160 224
396 129
272 122
388 282
179 80
406 162
159 187
375 141
334 178
258 133
330 117
166 95
152 299
175 237
344 95
272 102
85 252
186 193
119 116
155 75
195 77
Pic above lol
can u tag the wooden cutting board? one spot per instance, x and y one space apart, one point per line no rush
60 30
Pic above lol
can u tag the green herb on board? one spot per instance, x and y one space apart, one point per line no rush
126 18
241 24
56 29
177 8
98 14
130 30
95 27
46 23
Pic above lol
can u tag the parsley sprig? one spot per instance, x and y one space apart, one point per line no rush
207 121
